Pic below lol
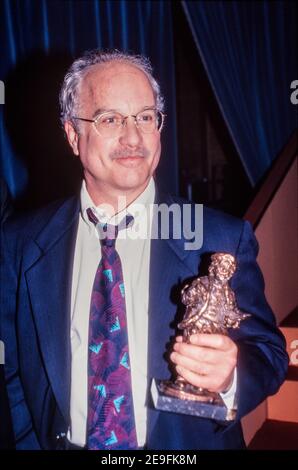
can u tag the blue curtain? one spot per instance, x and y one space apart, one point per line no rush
38 41
249 50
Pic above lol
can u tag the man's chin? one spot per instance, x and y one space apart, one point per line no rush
134 184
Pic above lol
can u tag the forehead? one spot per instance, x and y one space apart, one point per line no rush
115 85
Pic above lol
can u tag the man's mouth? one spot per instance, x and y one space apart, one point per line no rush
130 161
121 157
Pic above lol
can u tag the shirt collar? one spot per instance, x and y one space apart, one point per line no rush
136 208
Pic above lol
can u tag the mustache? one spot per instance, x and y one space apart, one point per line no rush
123 153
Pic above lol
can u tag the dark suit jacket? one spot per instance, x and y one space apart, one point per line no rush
37 276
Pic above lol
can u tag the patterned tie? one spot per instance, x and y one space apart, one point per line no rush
111 423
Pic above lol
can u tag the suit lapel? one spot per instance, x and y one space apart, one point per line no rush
49 283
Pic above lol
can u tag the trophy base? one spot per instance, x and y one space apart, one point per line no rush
184 398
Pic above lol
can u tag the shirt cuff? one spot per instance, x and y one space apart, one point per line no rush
229 397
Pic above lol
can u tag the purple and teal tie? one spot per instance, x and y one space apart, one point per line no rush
111 423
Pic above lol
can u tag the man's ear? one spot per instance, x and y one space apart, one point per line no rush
72 137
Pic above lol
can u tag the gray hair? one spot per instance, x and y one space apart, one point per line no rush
68 96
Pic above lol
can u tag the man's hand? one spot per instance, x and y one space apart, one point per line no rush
208 361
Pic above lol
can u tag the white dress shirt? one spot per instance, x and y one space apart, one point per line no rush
134 252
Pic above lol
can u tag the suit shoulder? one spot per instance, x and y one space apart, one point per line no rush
218 218
227 230
212 217
221 231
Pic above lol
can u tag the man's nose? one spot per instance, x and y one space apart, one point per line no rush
130 133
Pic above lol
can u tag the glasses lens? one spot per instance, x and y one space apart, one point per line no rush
149 120
108 124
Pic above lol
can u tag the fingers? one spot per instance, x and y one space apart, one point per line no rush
209 348
217 380
179 339
192 365
208 361
196 353
214 384
216 341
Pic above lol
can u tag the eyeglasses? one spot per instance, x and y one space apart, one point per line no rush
111 123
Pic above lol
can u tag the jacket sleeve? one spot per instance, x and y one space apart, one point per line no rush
25 437
262 360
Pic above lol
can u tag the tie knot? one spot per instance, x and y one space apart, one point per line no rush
107 232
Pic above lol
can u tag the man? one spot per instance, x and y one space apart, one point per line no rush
112 113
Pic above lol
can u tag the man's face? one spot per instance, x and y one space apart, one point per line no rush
122 164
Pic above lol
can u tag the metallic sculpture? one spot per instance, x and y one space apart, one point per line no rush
210 308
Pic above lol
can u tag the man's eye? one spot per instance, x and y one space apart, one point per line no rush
110 120
146 117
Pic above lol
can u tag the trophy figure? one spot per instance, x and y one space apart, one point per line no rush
210 308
